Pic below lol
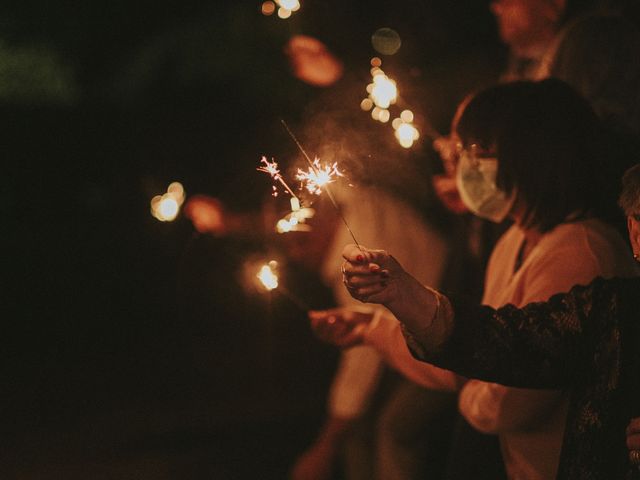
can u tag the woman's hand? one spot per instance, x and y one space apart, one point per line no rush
343 327
372 275
375 276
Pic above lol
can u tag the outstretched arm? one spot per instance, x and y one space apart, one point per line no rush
538 346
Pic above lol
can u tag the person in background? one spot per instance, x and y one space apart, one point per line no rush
530 151
585 341
372 425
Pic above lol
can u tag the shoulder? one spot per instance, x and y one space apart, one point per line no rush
576 253
591 236
608 290
512 236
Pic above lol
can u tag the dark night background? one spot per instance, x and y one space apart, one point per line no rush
129 349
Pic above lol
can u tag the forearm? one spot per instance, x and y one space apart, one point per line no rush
385 335
425 314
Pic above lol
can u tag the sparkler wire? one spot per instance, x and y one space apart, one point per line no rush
326 187
294 299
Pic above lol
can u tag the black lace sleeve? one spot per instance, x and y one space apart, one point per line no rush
539 346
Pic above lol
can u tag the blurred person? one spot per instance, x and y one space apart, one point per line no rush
312 62
372 214
371 425
529 151
584 340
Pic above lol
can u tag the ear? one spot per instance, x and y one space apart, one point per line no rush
634 234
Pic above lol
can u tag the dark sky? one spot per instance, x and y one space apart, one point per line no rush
108 312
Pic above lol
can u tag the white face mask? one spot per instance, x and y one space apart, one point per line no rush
476 182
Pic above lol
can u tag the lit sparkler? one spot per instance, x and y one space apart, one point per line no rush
268 280
166 207
268 276
272 169
318 176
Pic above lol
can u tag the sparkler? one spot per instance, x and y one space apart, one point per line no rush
295 220
318 175
268 277
272 169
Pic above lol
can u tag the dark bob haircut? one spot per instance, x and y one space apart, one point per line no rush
549 145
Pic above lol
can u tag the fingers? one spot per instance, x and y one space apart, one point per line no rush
340 327
354 254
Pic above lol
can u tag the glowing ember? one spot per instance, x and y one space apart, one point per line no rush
167 206
267 276
318 176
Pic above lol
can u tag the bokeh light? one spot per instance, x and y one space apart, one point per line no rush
386 41
267 275
296 221
268 8
406 116
406 133
384 91
287 7
166 207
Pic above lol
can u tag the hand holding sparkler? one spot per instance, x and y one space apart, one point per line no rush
375 276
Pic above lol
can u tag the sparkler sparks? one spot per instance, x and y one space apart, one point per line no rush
318 176
267 280
272 169
311 164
